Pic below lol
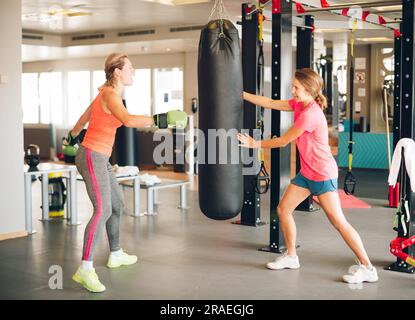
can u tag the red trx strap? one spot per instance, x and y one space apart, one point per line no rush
398 244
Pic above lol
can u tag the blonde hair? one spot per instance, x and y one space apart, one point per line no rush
112 62
313 83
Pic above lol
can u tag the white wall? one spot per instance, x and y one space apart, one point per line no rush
11 131
339 52
319 47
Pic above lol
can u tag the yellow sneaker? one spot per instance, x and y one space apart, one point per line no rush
122 259
88 279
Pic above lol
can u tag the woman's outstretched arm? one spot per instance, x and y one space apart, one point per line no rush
292 134
281 105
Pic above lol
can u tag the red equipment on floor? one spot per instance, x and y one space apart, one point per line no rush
398 244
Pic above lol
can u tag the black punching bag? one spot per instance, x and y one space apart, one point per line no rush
124 147
220 108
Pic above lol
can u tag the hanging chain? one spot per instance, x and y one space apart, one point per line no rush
219 11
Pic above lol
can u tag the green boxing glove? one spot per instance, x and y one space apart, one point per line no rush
173 119
69 151
160 120
69 147
177 119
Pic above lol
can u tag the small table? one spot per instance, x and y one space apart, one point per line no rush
43 170
165 183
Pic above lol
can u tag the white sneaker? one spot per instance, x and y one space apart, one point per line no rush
353 268
284 262
361 274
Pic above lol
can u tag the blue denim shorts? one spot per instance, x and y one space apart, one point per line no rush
316 188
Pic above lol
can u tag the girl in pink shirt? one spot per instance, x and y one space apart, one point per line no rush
318 174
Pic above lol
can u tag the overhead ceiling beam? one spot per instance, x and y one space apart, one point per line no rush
388 3
394 21
334 9
359 4
389 11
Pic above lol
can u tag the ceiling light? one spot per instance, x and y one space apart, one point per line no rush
168 49
375 39
177 2
330 30
387 8
57 10
181 2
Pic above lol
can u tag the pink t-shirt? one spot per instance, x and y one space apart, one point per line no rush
317 162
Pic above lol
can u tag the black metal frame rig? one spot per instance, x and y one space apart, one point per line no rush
281 77
251 209
281 74
397 90
406 99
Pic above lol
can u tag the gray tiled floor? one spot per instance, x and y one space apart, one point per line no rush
184 255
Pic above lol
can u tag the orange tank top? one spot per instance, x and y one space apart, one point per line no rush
102 127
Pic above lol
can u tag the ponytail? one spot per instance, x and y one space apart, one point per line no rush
321 100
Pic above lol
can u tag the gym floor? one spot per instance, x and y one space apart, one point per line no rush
184 255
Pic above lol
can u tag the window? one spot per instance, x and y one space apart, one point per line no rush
342 78
168 90
42 97
79 95
138 96
389 63
61 98
98 79
30 97
50 96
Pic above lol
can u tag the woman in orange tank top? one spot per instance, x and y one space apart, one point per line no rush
105 114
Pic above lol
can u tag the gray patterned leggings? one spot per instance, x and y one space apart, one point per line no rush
106 197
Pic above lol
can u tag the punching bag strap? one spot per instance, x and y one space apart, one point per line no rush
219 13
221 33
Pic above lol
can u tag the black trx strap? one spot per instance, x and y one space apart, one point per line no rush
262 181
403 214
350 180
